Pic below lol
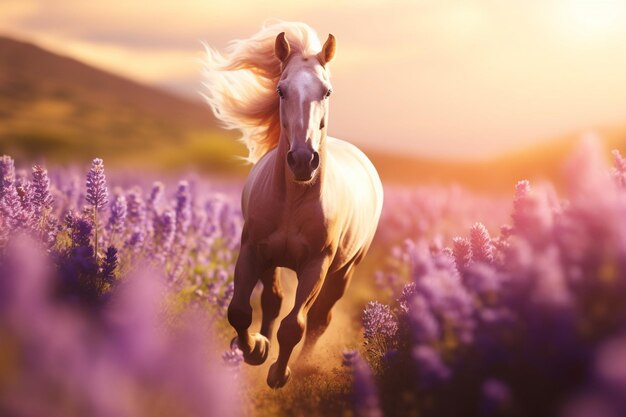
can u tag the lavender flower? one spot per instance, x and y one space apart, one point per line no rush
532 305
462 252
42 199
7 173
484 281
97 193
379 329
364 393
84 272
105 354
533 216
482 248
97 196
136 240
117 217
496 397
619 169
109 265
424 324
221 276
152 210
432 370
156 194
11 206
81 232
224 300
10 202
166 233
183 209
378 320
233 359
136 210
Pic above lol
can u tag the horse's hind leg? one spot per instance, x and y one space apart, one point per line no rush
271 300
255 347
321 313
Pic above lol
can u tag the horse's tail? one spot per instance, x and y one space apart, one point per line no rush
241 84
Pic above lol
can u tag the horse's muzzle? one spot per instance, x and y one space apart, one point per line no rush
303 164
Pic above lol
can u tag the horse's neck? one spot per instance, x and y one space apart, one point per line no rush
292 190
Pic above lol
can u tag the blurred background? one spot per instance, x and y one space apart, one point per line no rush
480 93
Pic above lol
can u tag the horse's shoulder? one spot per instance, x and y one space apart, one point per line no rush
256 183
349 159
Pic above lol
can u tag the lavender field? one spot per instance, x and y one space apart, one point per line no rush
113 300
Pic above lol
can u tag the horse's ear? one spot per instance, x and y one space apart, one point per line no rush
328 50
281 47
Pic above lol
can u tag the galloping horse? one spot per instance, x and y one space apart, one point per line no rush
311 202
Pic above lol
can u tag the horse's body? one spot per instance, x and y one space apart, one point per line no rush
311 203
335 214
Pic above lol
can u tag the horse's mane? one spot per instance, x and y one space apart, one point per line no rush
241 84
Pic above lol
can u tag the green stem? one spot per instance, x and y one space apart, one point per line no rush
95 225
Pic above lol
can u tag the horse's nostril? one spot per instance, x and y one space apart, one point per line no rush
290 159
315 160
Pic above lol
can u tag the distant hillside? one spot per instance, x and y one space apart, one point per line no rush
499 174
61 108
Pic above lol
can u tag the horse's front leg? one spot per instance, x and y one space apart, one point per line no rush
271 300
248 270
310 279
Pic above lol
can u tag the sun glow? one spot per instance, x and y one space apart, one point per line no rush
593 19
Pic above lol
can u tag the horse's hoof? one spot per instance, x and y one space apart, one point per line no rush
259 352
274 379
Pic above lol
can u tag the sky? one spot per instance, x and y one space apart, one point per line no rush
465 79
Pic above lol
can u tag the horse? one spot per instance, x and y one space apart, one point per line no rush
311 202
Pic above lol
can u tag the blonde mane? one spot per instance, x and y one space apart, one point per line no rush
241 84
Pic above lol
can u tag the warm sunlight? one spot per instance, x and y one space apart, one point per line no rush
440 78
593 19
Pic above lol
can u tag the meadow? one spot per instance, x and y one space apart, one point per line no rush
113 297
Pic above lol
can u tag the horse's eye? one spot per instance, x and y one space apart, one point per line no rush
328 93
280 92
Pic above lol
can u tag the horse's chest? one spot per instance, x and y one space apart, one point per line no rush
292 242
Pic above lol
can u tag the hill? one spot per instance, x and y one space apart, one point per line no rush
62 108
542 162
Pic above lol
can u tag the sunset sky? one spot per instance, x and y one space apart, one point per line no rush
459 79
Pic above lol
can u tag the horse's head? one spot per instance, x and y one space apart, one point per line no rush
304 89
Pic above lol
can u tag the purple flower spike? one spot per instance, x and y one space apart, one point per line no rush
10 202
42 199
118 214
233 358
496 397
364 393
156 193
462 252
482 247
183 210
378 320
432 369
81 232
97 193
166 233
136 210
109 265
619 170
7 173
